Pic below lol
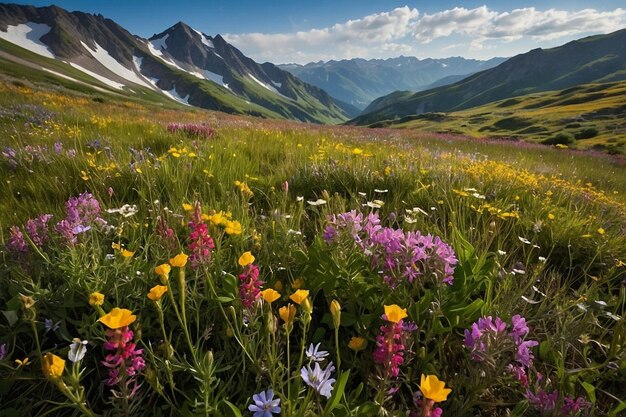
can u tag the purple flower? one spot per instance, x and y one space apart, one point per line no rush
524 355
264 404
3 351
81 213
314 354
543 401
318 378
519 327
397 255
572 407
17 242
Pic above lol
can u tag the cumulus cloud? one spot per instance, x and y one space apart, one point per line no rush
482 23
404 30
344 39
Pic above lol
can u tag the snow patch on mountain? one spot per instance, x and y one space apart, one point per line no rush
269 87
216 78
98 77
204 39
110 63
173 94
28 36
159 43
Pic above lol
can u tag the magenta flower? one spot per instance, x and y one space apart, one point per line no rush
390 346
125 361
250 285
200 243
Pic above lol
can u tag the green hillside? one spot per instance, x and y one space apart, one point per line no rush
596 59
591 116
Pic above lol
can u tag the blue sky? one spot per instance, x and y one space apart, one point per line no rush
284 31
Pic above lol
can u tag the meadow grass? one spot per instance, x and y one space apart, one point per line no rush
344 213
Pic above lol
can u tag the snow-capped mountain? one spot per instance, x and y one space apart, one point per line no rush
180 63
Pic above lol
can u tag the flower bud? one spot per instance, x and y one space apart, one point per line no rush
335 311
307 306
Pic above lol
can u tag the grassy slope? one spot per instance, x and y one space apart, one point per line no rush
558 199
538 116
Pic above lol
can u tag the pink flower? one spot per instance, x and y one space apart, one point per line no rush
125 360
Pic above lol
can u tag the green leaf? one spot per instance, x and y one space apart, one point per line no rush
338 389
230 285
591 391
620 407
232 410
225 300
11 317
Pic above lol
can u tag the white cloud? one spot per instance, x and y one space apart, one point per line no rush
404 30
482 23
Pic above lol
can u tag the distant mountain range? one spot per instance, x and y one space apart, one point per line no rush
594 59
358 81
180 63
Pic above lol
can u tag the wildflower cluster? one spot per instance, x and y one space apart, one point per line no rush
490 341
200 243
81 213
202 130
125 361
399 256
392 340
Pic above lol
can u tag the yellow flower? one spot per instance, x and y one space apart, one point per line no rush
246 259
127 253
163 269
550 216
394 313
96 299
179 260
357 343
233 228
357 151
270 295
156 292
335 311
187 207
299 296
601 231
278 286
116 246
52 366
433 388
287 313
118 317
21 363
298 283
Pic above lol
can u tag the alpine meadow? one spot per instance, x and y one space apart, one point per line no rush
185 231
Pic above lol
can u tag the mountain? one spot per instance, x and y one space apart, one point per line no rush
359 81
181 64
594 59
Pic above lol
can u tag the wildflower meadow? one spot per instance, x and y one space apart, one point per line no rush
171 262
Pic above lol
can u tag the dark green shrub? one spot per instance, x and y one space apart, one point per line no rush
562 138
588 133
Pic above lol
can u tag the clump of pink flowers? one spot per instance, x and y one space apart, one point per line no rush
391 344
200 243
545 403
191 129
250 285
37 231
82 213
399 256
489 338
125 361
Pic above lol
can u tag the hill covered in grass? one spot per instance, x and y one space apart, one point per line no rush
590 116
208 264
595 59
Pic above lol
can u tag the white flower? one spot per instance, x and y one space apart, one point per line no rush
524 240
317 202
376 190
78 348
501 252
299 198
